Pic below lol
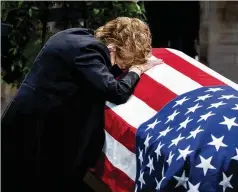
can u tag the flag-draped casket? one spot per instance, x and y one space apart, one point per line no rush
177 132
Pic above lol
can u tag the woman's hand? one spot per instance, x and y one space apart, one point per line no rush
152 61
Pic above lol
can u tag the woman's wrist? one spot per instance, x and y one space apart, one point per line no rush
136 69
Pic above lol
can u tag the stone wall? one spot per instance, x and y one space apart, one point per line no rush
219 37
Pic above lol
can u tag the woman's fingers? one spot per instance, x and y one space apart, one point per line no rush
156 62
152 63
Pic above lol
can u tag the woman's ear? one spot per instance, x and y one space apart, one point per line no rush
111 47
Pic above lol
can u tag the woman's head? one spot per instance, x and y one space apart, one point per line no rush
128 40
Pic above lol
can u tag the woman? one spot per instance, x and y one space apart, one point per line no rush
52 130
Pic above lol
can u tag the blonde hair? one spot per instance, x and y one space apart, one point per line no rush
131 37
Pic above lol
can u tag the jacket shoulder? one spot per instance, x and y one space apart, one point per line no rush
80 40
70 43
73 37
85 38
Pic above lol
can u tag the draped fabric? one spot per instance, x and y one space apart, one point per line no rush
178 75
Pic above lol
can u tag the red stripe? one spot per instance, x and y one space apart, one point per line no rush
153 93
186 68
120 130
116 179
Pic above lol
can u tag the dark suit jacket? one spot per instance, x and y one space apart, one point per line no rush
53 127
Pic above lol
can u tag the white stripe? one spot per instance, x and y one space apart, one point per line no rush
120 157
172 79
204 68
134 111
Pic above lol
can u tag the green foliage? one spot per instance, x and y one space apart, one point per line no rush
29 27
101 12
25 20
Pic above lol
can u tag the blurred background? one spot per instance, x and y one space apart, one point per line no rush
204 30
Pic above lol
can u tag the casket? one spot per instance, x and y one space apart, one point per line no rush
121 165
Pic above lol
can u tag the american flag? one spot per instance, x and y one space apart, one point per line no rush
191 144
179 75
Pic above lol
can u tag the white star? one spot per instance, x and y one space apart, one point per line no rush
203 98
184 153
229 122
181 101
217 142
146 143
236 156
162 174
184 123
170 158
136 188
195 132
150 164
152 125
164 133
158 184
226 182
141 179
172 116
182 181
193 188
214 89
205 164
227 97
236 107
175 141
193 109
205 116
157 151
216 105
141 156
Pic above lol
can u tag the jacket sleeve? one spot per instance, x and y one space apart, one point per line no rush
93 66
